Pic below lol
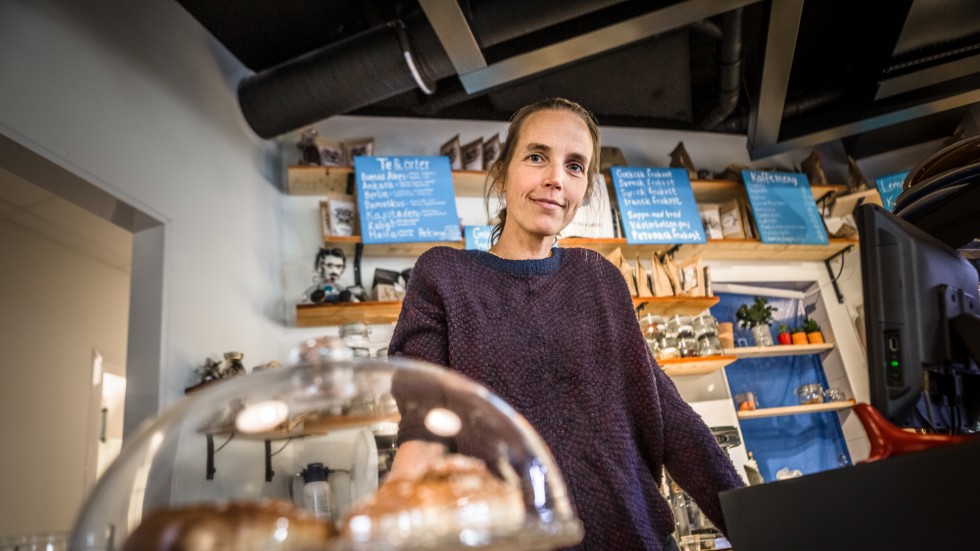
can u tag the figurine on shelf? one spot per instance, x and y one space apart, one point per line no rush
328 267
309 152
235 365
215 370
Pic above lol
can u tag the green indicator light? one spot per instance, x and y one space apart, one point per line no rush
894 363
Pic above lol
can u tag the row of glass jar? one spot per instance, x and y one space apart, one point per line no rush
681 336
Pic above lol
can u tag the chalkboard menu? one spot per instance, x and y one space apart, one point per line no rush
406 199
477 237
657 205
784 208
890 187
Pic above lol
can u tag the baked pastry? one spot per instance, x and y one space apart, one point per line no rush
238 526
458 494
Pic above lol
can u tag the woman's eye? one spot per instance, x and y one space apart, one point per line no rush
576 167
536 157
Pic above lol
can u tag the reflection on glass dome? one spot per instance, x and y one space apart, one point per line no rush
297 458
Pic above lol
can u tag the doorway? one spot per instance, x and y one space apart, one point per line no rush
71 254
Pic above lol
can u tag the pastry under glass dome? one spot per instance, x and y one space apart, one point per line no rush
245 440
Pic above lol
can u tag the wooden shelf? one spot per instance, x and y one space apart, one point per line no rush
780 350
694 366
714 249
371 312
327 180
719 191
754 249
795 410
670 306
323 180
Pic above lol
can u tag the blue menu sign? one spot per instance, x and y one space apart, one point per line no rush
477 237
406 199
657 205
784 208
890 187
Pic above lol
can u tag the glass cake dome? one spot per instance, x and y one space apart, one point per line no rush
298 458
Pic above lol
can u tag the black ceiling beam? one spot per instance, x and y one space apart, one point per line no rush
766 116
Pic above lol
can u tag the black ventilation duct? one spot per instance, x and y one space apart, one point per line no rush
358 71
381 63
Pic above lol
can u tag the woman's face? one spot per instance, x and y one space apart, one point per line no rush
546 179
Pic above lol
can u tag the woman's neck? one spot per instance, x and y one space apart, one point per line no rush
530 248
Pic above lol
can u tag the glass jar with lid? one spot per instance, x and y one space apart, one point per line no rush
653 328
667 348
357 335
687 347
681 326
705 324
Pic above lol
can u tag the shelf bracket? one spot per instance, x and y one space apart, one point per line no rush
269 473
830 272
210 470
358 253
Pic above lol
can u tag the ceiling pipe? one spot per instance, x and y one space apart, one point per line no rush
377 64
729 71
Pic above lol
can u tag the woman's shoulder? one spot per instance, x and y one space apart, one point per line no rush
441 257
588 257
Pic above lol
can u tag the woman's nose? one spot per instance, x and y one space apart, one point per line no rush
553 177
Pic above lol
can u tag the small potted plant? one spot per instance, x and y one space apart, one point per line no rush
798 336
757 317
812 330
783 335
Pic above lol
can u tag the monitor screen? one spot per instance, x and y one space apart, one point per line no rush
920 372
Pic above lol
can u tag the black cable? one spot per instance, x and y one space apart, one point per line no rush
288 440
230 436
841 271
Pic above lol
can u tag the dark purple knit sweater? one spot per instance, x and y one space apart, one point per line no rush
558 340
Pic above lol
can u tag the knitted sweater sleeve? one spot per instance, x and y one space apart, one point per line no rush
691 454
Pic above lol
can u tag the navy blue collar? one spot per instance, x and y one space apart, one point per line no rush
521 267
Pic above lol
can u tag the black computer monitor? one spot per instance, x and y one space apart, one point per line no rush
920 301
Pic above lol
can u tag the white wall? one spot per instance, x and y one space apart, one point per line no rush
136 99
58 305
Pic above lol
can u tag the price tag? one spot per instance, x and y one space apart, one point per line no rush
784 208
657 205
890 187
406 199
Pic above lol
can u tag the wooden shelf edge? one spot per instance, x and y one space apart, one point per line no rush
795 410
371 312
781 350
669 306
694 366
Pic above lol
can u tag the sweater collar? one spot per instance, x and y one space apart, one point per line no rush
521 267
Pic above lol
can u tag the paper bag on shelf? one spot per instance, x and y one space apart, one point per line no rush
690 274
617 259
472 154
711 220
673 274
642 280
748 223
731 220
661 282
453 150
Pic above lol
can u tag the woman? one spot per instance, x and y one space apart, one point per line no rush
553 332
